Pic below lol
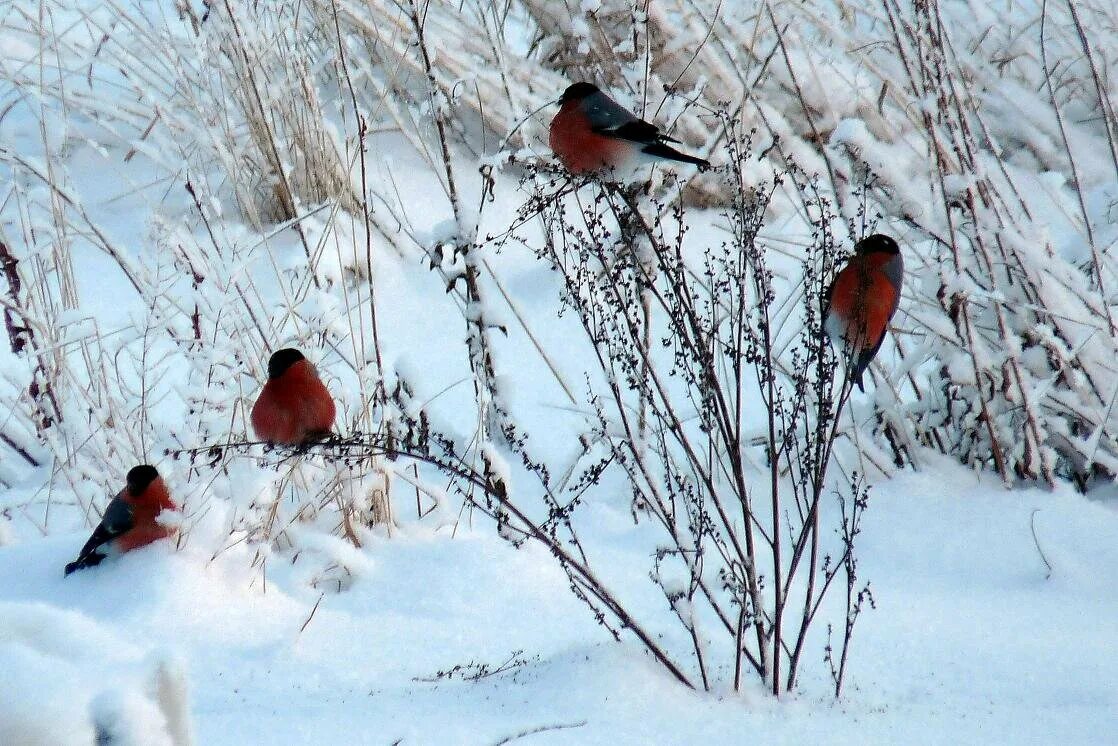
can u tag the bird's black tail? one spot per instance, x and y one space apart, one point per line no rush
660 150
84 561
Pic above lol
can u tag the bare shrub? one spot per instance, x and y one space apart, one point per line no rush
680 415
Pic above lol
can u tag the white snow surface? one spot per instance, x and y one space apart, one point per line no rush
970 642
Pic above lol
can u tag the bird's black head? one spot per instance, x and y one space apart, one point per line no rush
577 92
140 477
281 360
878 243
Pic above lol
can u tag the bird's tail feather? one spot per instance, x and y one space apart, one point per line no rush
660 150
86 560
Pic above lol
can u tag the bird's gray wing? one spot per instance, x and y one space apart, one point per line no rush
117 519
608 116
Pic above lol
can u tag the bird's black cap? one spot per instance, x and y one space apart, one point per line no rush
578 91
878 243
140 477
281 360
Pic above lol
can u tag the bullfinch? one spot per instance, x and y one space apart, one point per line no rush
294 407
592 132
861 301
129 520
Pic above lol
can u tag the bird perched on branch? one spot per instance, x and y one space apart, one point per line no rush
861 301
129 520
593 132
294 407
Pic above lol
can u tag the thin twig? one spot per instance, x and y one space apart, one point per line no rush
309 618
1036 542
538 729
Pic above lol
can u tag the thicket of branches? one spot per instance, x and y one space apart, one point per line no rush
719 398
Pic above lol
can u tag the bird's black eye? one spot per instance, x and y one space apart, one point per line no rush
281 360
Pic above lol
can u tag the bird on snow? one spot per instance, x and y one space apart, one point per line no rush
129 521
593 132
294 407
861 301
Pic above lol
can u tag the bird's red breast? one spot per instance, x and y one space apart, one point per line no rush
145 508
293 407
581 149
863 300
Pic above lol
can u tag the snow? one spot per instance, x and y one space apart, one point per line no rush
969 639
54 659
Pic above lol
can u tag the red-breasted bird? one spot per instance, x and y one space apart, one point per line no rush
592 132
294 407
862 299
129 520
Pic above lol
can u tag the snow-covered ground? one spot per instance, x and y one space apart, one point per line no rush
995 614
971 640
